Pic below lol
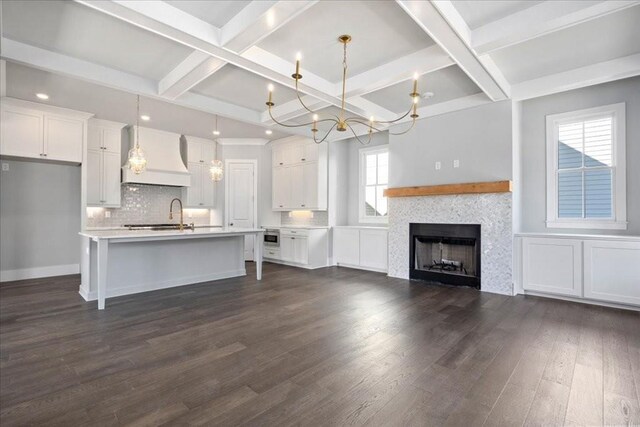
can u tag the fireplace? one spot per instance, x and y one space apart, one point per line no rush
445 253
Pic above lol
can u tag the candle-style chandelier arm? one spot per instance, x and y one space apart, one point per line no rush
358 138
300 125
325 136
304 105
413 123
363 123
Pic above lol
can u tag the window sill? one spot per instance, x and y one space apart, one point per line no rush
596 225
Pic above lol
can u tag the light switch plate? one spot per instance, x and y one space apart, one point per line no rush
5 167
107 214
438 166
456 163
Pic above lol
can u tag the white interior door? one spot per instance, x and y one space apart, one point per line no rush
240 199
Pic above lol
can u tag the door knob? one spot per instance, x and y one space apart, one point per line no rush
230 224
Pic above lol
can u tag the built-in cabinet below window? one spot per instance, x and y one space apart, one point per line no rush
201 193
597 268
104 142
299 175
37 131
361 247
307 248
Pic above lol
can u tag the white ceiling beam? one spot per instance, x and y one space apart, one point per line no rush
138 13
424 61
248 27
441 21
603 72
540 19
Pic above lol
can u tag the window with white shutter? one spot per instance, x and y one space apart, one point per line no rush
586 168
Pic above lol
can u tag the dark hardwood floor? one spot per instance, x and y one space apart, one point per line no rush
328 347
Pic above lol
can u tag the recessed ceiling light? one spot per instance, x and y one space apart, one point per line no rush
216 132
268 131
145 118
42 96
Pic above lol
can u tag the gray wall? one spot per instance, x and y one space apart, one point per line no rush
39 215
480 138
533 204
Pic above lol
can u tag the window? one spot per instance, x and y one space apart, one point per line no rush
374 175
586 185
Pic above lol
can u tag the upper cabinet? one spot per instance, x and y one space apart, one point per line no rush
40 131
299 175
201 192
104 142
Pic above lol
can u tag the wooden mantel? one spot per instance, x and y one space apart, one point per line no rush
439 190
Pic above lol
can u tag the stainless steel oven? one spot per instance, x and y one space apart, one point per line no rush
272 238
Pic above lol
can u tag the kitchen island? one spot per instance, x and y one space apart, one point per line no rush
122 262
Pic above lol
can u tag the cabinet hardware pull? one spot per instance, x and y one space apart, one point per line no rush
303 206
293 238
45 154
281 163
304 160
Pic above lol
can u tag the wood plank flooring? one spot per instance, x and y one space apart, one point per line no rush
334 346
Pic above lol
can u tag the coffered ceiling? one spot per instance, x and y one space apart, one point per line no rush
219 56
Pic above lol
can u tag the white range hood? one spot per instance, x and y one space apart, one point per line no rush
164 163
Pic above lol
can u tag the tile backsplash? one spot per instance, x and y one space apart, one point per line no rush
320 218
145 204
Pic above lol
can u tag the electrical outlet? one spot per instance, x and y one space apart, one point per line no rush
456 163
107 214
438 166
190 214
5 167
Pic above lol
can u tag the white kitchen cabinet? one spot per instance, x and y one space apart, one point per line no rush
200 150
361 247
40 131
299 175
306 248
103 163
582 267
200 194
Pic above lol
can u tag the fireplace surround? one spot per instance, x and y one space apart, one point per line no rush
445 253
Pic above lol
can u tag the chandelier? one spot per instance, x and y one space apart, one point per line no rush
341 123
137 162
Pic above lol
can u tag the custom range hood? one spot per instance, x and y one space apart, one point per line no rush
164 163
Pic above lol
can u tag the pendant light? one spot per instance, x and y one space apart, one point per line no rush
137 161
216 171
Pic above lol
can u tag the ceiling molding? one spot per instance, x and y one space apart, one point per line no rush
191 71
445 26
540 19
603 72
242 141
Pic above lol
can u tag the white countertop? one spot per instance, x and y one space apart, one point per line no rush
366 227
581 236
303 227
128 235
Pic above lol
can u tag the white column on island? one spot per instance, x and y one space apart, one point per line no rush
103 252
258 253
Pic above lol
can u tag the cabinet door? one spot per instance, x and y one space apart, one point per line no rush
278 156
298 197
310 180
63 139
373 249
552 265
300 250
208 153
111 139
22 133
294 153
612 271
281 188
208 188
194 192
95 137
287 249
111 178
194 152
346 246
94 177
310 152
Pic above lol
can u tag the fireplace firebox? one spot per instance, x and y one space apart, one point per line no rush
445 253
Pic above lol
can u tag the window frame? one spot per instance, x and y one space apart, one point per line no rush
362 184
618 168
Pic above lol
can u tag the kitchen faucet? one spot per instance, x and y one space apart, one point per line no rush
181 214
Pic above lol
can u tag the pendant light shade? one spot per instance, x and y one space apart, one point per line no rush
216 171
137 162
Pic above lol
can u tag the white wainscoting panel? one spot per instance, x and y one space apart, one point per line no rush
552 265
373 249
612 271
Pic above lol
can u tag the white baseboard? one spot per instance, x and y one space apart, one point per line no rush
38 272
294 264
145 287
359 267
582 300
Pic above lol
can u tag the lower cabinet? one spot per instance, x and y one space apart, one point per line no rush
361 247
307 248
599 268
